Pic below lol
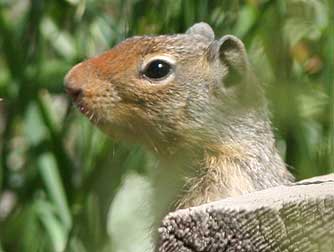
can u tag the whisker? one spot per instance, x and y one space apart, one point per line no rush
91 117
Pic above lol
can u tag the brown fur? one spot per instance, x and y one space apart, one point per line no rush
208 123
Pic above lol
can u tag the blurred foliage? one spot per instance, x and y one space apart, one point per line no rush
59 175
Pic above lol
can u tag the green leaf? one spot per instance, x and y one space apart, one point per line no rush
247 17
54 228
62 42
35 130
51 179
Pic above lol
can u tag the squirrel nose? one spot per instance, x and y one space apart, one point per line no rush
72 85
74 92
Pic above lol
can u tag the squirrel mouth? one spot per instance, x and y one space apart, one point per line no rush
88 113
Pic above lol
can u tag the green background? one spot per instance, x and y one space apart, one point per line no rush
59 175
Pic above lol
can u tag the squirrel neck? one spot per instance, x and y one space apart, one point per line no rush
223 168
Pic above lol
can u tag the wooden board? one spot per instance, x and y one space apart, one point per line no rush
299 217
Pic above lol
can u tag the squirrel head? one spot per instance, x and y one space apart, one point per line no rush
164 91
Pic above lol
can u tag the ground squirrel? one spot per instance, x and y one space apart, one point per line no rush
194 102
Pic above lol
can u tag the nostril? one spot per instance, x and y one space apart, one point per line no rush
73 82
74 92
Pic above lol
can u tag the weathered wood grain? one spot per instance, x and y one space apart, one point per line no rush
299 217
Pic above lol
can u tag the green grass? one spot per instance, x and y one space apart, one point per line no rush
59 175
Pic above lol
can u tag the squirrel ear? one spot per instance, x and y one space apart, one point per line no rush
202 29
232 53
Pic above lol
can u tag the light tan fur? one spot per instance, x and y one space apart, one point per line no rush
207 122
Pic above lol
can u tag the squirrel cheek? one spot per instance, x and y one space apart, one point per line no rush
89 94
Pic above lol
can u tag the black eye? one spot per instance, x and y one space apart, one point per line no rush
157 69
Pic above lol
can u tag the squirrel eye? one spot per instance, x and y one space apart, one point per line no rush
157 69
